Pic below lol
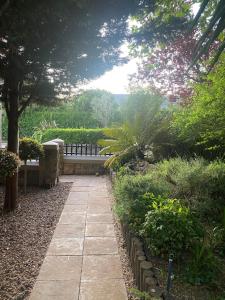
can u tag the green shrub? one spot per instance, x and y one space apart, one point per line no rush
214 185
138 208
30 149
200 183
131 201
9 162
123 171
130 187
183 176
217 236
43 126
169 227
74 136
203 265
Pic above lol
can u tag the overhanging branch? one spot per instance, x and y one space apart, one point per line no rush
29 99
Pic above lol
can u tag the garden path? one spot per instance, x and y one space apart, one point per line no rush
82 261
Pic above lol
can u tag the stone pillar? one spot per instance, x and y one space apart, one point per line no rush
49 165
61 154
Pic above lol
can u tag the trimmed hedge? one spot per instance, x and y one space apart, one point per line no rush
74 135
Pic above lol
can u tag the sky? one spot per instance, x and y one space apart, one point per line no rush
116 81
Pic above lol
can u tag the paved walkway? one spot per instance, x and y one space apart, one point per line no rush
82 260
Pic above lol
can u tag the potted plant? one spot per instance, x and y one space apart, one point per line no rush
29 149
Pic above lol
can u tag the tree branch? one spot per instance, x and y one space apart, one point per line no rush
29 99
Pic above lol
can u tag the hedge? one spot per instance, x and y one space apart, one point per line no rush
74 135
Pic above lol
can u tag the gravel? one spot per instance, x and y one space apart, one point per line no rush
24 238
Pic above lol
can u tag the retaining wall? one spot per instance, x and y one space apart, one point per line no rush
144 273
83 165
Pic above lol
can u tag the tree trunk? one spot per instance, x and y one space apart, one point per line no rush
25 178
11 186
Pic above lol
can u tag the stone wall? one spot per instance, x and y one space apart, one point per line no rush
46 172
49 165
83 167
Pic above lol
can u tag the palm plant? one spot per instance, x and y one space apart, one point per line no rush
121 141
145 122
214 30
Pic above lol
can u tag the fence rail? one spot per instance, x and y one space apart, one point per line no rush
83 150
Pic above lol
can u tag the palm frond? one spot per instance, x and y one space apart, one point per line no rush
215 27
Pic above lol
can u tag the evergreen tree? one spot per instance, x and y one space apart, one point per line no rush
48 46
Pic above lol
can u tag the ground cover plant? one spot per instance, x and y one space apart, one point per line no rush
177 208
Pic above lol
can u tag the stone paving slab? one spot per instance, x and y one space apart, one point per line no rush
78 196
100 218
69 231
100 245
101 266
55 290
111 289
82 261
99 230
77 202
98 208
86 189
75 208
66 246
72 218
61 268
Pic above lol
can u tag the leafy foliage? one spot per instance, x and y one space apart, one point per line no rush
164 69
34 37
134 196
142 295
100 105
202 122
43 126
47 47
203 266
160 22
214 30
9 162
145 124
74 135
89 109
169 227
198 182
30 149
121 144
217 236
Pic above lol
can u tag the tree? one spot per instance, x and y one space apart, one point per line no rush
160 41
48 46
202 122
100 104
164 69
159 22
164 20
104 107
213 14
